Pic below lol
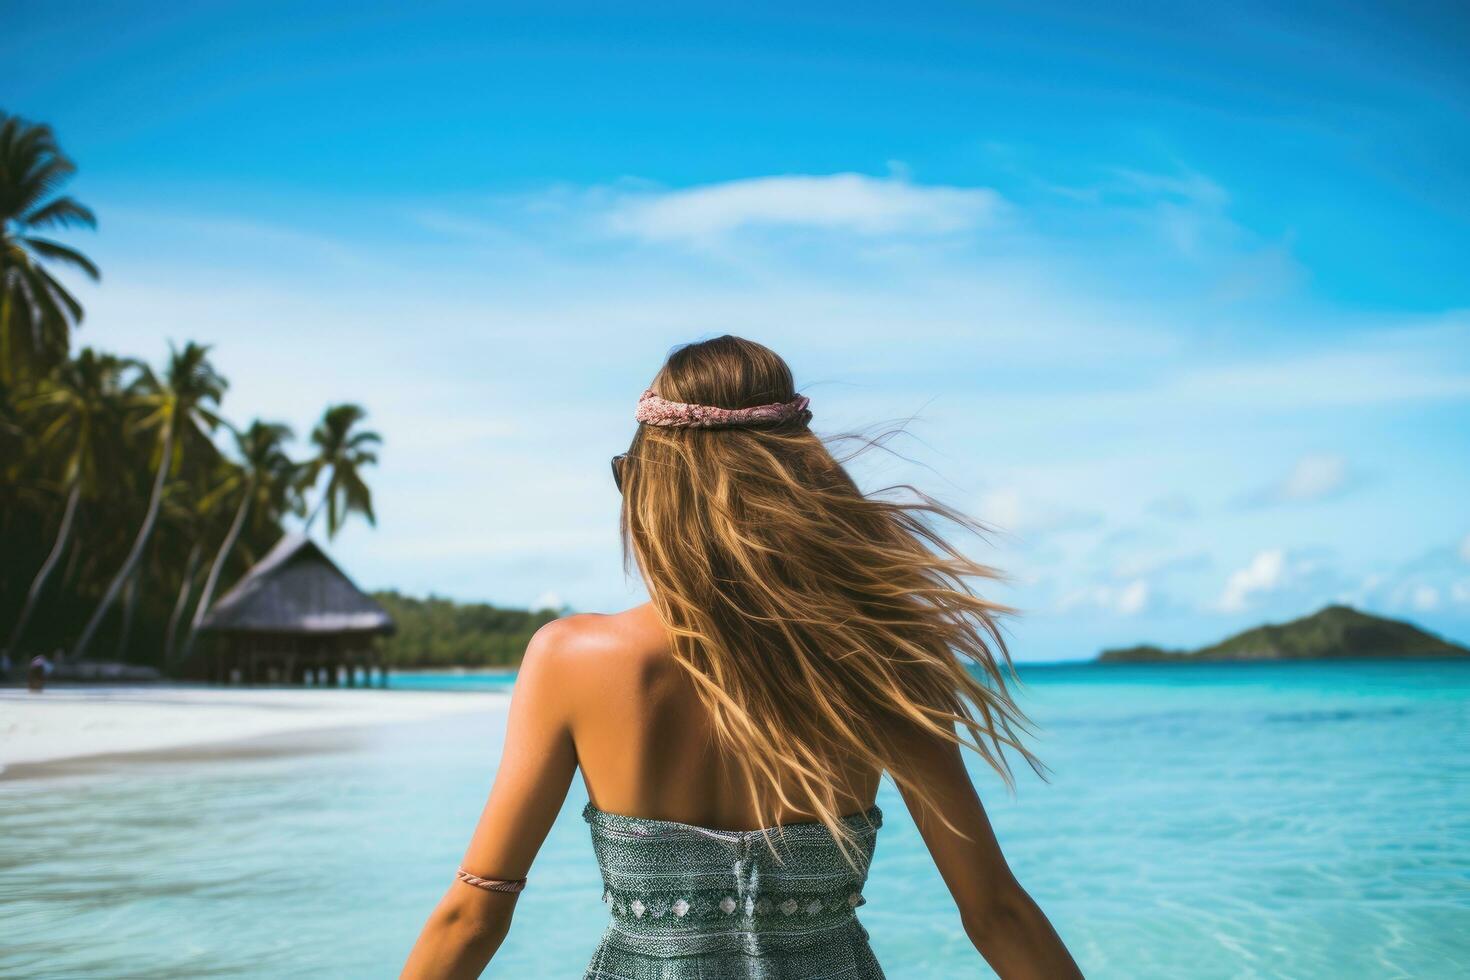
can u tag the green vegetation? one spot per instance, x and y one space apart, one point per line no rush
37 313
1335 632
436 632
121 519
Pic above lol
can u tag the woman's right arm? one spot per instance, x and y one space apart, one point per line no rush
1003 922
536 767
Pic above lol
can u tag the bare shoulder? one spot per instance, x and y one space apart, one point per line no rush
589 649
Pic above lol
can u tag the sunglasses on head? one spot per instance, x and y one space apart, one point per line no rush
617 468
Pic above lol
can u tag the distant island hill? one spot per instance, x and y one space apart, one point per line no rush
1333 633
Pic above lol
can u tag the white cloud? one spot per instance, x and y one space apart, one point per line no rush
1424 598
1465 547
1315 476
1133 599
1265 573
1460 592
548 600
846 202
1018 511
1188 187
1127 600
1395 365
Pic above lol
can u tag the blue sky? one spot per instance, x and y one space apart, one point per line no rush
1177 295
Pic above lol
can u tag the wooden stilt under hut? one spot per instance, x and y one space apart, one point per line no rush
296 618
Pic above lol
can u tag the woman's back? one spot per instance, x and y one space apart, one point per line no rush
694 886
643 739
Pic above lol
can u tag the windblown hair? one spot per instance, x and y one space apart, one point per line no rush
817 622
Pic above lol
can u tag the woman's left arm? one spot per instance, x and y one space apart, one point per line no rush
536 767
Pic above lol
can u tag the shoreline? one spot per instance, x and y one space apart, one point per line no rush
93 725
287 743
457 670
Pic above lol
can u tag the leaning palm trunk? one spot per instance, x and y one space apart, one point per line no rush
321 502
6 344
227 546
129 606
170 640
150 519
47 567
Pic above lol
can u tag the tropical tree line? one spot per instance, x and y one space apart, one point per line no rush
436 632
128 501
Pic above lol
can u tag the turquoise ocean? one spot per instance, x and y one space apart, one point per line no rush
1202 821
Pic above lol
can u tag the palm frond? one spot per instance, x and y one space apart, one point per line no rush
62 298
358 496
63 212
57 252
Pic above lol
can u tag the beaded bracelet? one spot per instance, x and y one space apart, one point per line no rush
491 884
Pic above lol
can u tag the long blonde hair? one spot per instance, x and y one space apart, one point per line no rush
815 621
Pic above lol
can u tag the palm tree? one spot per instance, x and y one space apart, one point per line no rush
37 313
12 434
191 515
265 478
181 603
177 409
15 440
129 607
343 451
77 410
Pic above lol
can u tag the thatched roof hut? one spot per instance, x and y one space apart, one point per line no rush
295 616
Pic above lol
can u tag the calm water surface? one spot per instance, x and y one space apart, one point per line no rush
1294 821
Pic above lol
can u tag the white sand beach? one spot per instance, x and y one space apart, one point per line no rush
75 722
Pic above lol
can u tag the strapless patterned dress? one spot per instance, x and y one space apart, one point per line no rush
690 903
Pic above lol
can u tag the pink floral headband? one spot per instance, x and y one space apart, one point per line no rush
653 410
